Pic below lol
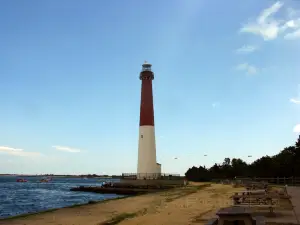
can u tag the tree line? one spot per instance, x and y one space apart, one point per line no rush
285 164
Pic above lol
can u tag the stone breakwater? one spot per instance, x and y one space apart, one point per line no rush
122 189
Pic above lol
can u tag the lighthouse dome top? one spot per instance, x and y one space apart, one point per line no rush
146 73
146 66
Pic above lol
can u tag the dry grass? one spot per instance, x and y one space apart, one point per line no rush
199 218
185 191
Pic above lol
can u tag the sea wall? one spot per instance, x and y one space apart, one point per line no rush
150 182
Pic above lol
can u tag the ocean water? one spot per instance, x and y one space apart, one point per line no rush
32 196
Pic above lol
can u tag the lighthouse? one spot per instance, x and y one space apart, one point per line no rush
147 168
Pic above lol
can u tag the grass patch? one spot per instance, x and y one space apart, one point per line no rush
180 195
119 218
198 218
123 216
198 187
215 195
183 192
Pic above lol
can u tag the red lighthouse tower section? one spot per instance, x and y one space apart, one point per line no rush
147 109
147 166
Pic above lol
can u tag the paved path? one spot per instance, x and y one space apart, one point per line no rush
294 192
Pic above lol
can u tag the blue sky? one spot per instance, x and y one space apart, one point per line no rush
226 82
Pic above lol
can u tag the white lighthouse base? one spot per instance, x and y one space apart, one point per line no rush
158 167
147 166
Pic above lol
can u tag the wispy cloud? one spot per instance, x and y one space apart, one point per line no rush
265 25
66 149
292 13
293 35
296 101
9 149
246 49
249 69
215 104
269 27
17 151
293 23
297 128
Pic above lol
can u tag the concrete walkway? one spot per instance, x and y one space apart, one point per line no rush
294 192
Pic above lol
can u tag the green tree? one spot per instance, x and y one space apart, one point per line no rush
297 144
239 167
226 162
285 164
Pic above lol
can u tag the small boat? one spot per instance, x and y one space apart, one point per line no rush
21 180
45 180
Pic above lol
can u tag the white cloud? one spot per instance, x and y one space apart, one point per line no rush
269 28
296 101
246 49
17 151
66 149
249 69
297 128
26 154
265 25
9 149
215 104
293 35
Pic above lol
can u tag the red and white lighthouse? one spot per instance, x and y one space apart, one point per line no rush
147 165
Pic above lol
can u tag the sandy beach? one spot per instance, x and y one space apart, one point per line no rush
188 205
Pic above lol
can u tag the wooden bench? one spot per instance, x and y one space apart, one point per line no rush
264 200
254 186
270 207
252 192
264 196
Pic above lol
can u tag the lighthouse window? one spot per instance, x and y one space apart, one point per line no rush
141 136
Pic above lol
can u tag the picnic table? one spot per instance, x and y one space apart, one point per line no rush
256 199
260 194
256 185
236 215
256 191
269 207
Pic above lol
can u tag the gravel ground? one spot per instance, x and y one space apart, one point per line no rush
294 192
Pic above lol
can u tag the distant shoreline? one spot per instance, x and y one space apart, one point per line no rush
63 176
